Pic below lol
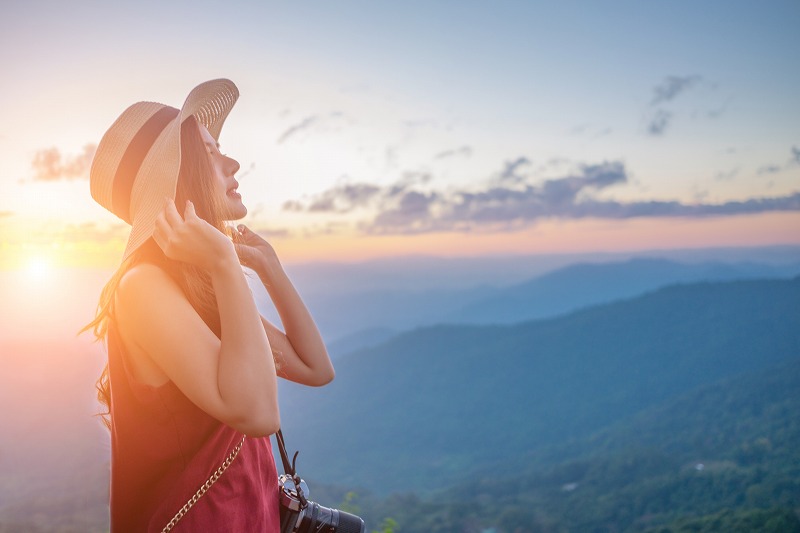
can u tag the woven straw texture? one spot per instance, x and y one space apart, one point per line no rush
157 178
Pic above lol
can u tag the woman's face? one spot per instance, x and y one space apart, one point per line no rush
225 184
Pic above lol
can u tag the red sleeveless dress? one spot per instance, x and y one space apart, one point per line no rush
163 448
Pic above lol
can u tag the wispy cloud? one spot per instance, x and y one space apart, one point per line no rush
506 204
306 124
51 165
463 151
510 172
592 132
658 122
340 199
6 214
87 232
671 86
727 176
657 117
768 169
348 197
774 168
269 231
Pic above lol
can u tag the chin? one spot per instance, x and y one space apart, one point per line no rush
236 211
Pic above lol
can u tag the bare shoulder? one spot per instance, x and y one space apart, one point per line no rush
146 302
144 287
143 280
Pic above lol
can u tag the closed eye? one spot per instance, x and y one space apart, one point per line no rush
212 148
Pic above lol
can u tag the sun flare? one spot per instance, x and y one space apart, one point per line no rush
38 268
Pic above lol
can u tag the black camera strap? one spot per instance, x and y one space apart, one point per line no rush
289 468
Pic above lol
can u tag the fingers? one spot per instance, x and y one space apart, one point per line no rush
166 224
171 215
189 213
242 234
249 236
236 233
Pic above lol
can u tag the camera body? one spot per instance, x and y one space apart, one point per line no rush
299 515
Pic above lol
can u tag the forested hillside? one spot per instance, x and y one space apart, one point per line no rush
723 457
436 403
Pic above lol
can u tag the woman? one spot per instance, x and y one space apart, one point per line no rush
192 366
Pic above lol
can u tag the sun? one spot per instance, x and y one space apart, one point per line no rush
38 268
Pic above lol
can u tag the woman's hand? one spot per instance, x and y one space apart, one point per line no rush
253 251
191 239
301 350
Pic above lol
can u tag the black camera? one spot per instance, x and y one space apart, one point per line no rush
299 515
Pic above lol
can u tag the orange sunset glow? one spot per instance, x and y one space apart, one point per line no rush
403 159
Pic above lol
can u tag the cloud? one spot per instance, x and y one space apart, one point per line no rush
658 122
464 151
306 124
727 176
659 117
500 205
410 214
348 197
270 232
589 131
716 113
671 87
6 214
50 165
509 172
768 169
772 168
91 232
340 199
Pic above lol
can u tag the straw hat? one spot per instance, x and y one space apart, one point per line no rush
137 161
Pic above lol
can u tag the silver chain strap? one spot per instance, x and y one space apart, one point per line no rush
207 485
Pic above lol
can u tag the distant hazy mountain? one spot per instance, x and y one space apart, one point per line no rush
577 286
434 403
359 340
349 317
420 273
350 321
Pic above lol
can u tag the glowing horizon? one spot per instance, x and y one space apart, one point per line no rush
357 142
549 237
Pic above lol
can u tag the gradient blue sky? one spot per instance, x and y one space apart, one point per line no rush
384 127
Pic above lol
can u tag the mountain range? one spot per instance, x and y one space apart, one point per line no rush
432 405
352 316
673 405
720 458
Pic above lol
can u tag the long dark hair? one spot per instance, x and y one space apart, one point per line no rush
195 183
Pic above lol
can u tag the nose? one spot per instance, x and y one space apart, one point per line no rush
232 165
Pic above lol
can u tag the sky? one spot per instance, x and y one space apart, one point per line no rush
380 129
376 130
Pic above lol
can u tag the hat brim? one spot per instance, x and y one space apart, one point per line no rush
210 103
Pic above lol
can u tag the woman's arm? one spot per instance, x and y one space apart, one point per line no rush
301 351
232 378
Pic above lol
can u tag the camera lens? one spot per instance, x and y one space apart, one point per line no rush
349 523
318 519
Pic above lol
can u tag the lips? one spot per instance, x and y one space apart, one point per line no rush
232 191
